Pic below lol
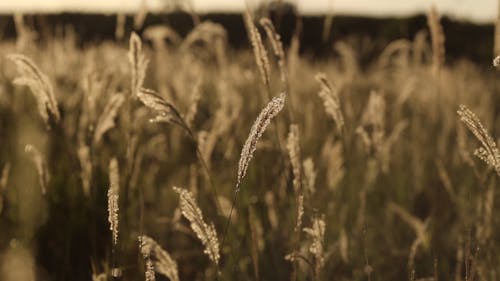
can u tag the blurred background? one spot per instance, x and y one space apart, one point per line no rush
378 21
395 193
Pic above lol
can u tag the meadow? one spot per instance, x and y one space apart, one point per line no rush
162 157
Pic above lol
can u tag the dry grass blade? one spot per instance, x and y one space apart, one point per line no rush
40 86
418 226
41 166
259 126
107 118
138 63
206 233
415 223
488 152
157 259
258 50
113 196
331 101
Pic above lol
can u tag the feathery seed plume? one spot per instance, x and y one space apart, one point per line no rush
437 38
206 233
138 63
113 196
317 234
293 148
157 259
165 110
309 175
258 49
106 120
331 100
300 212
488 152
259 126
496 61
277 46
40 86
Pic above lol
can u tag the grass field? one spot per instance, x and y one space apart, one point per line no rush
184 157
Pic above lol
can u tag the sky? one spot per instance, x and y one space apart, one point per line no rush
474 10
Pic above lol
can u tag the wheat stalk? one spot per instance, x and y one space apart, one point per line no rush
157 259
40 86
206 233
86 167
